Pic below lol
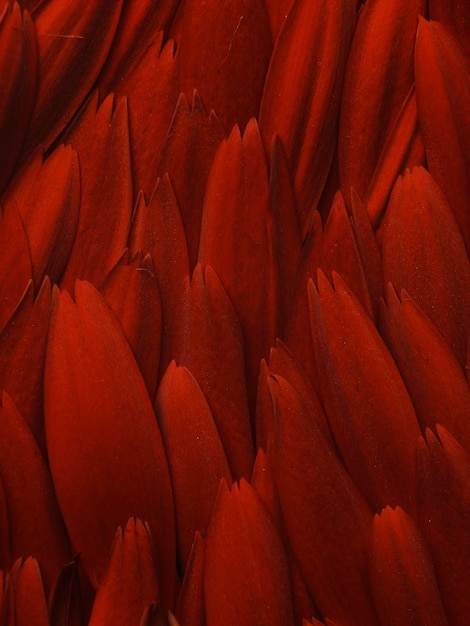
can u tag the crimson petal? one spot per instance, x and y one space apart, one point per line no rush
94 397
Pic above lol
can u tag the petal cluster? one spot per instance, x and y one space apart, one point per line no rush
234 313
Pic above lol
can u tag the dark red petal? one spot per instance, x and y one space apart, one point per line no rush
368 250
30 598
22 350
73 43
444 517
130 582
36 526
224 53
187 153
196 458
455 16
402 149
94 397
368 407
379 75
152 92
339 253
237 241
302 91
140 23
65 602
190 609
47 195
424 254
402 574
327 520
278 11
157 228
442 72
251 584
15 262
209 342
131 290
18 80
434 378
101 138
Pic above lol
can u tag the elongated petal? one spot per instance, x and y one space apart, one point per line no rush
302 91
368 407
73 43
326 518
209 342
101 138
22 351
251 584
157 228
36 526
379 75
189 148
403 148
402 575
152 92
131 290
442 74
455 16
339 253
47 195
130 582
15 262
29 595
444 513
434 378
18 80
237 240
224 53
190 606
424 254
195 454
94 397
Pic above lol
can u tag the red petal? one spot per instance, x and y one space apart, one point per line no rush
130 581
47 194
424 254
94 397
73 43
15 262
22 350
402 149
30 599
442 73
65 603
187 154
378 78
152 92
302 90
18 78
158 229
339 252
327 520
368 407
237 241
455 16
444 516
101 138
278 11
251 584
402 574
434 378
195 454
131 290
210 344
190 606
224 53
36 526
